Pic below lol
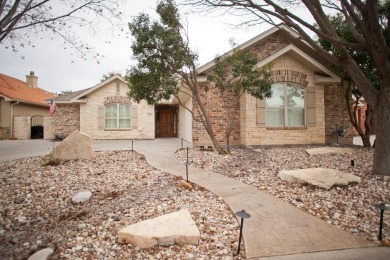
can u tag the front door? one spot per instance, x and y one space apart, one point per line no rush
167 122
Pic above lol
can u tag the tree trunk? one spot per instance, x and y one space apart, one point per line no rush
368 127
352 108
366 140
382 142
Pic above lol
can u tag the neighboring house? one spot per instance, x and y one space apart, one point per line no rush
22 107
310 116
104 112
361 116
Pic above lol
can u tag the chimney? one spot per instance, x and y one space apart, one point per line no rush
32 80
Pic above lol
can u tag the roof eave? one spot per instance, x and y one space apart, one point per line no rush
97 87
250 42
332 77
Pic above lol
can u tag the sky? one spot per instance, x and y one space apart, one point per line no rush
58 70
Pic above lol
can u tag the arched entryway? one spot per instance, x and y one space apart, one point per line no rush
36 127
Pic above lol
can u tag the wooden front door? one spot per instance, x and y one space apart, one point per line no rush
167 123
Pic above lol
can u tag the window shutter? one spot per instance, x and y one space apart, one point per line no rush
100 117
260 113
311 106
134 116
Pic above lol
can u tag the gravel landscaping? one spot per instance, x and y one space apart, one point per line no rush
350 208
36 210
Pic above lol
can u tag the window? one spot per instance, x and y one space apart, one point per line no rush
286 107
117 116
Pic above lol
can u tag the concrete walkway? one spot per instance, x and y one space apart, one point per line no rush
276 230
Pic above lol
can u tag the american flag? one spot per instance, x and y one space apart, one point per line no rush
52 107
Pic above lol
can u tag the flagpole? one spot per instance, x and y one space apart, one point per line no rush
52 109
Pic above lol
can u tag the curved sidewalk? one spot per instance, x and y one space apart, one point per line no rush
276 230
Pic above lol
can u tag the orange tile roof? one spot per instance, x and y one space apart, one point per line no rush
21 91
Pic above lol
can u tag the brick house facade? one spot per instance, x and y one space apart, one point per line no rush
103 112
293 62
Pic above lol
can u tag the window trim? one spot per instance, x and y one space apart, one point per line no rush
118 118
286 108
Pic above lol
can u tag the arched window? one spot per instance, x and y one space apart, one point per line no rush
286 107
117 116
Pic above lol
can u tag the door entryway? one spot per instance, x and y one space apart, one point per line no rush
36 131
166 121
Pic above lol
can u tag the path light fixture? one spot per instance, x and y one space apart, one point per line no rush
382 207
241 214
352 163
132 145
187 171
187 154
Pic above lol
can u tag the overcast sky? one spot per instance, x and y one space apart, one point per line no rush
58 70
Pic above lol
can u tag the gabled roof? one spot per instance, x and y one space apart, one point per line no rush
323 73
69 97
77 97
249 43
17 90
299 48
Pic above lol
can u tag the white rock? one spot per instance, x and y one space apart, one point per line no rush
42 254
76 146
81 226
175 228
323 178
21 219
81 196
329 150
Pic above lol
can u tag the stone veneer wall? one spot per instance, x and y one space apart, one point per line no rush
336 114
252 134
66 119
48 128
213 103
143 123
22 127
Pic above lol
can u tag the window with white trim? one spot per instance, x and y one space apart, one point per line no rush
117 116
286 107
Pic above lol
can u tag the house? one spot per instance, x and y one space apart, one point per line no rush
308 118
22 107
105 112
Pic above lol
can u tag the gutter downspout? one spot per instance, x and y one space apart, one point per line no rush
11 120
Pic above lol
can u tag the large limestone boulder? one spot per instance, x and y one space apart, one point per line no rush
323 178
42 254
329 150
76 146
176 228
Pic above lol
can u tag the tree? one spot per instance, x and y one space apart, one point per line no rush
353 96
233 75
166 64
367 28
22 21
